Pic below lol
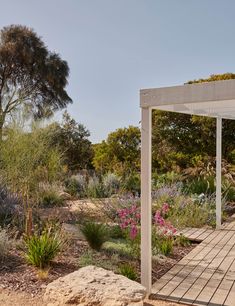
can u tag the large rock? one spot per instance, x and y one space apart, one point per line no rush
91 286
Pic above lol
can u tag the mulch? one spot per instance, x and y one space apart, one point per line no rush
17 275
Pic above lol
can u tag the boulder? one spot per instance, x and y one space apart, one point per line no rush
94 286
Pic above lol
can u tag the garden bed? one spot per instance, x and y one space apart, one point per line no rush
17 275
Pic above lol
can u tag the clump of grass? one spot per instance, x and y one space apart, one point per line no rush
93 258
129 271
41 249
95 234
51 198
181 240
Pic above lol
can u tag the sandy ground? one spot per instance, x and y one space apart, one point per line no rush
8 298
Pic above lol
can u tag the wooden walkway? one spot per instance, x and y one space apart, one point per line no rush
206 276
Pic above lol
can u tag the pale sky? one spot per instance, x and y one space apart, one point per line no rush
116 47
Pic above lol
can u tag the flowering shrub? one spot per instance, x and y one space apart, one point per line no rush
164 227
129 218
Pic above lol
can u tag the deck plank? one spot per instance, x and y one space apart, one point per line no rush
205 276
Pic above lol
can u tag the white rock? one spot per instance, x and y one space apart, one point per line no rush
91 286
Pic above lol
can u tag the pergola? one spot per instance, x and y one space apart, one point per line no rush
212 99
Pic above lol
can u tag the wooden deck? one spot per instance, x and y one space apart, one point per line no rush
206 276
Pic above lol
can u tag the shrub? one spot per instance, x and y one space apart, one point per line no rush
121 247
5 243
41 249
11 212
50 198
90 258
181 240
95 188
129 271
132 184
111 184
162 244
116 232
201 185
95 234
76 185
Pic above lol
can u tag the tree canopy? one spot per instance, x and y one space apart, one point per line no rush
30 75
120 153
72 139
179 140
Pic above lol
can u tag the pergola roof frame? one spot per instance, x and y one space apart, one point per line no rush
212 99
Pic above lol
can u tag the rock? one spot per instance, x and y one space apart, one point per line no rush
94 286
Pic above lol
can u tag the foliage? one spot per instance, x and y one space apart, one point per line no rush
168 178
5 243
50 198
31 76
72 140
111 183
116 232
162 244
76 185
92 258
179 138
95 188
181 240
201 185
120 153
95 234
131 184
41 249
185 210
129 218
120 247
27 160
10 208
129 271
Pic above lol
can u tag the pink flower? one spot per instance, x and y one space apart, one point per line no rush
133 232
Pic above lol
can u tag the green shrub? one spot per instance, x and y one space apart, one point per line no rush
132 184
116 232
92 258
95 234
111 184
76 185
162 244
201 185
181 240
121 247
41 249
95 188
128 271
50 198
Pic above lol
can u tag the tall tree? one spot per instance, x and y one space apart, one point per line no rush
72 139
30 75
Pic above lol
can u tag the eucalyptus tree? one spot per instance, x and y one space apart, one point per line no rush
31 76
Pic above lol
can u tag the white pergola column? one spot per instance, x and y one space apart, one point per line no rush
146 201
218 170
